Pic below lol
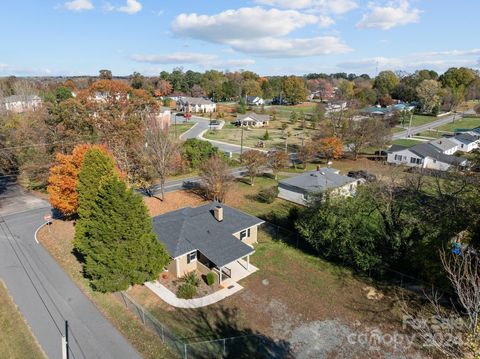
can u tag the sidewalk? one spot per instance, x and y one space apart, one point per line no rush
169 297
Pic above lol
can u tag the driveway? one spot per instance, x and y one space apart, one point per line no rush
44 293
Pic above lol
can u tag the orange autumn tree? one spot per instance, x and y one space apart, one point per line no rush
330 148
62 182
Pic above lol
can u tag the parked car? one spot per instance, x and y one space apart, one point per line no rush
367 176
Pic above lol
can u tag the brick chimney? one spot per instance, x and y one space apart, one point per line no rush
218 213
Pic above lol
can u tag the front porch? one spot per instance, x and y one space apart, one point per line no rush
235 271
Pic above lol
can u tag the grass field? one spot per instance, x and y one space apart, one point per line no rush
16 339
467 122
406 142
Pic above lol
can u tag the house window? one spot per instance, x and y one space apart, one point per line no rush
243 234
191 257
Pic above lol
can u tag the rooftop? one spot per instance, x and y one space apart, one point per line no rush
188 229
254 116
428 150
196 101
443 144
318 181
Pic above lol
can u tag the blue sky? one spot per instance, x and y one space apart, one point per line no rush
270 37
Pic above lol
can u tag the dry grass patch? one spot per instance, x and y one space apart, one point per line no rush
16 339
173 201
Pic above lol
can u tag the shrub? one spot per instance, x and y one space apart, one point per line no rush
186 291
191 279
266 136
267 195
210 278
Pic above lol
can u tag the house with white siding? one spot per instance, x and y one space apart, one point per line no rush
196 105
466 142
19 103
446 145
298 189
424 155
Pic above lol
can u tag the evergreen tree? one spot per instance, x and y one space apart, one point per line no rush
96 166
117 241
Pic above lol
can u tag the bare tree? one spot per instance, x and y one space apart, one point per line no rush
254 161
452 332
161 150
216 179
277 160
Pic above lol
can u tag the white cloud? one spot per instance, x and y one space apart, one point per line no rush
326 6
261 32
78 5
8 69
131 7
192 58
241 24
280 47
394 13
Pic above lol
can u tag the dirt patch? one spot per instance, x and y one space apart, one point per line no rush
173 201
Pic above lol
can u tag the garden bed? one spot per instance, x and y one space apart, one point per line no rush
203 289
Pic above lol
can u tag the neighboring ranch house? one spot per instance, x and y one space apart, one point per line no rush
19 104
336 106
210 238
424 155
255 101
196 105
297 189
475 132
446 145
466 142
252 120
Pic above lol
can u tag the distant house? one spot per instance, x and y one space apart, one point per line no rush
196 105
336 106
466 142
297 189
475 132
252 120
19 103
164 117
255 101
210 238
385 112
424 155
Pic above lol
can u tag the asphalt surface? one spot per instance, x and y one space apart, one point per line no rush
415 130
200 127
44 293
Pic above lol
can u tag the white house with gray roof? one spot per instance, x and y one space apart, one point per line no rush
424 155
210 238
196 105
299 188
466 142
252 120
446 145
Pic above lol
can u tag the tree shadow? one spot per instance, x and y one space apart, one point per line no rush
212 325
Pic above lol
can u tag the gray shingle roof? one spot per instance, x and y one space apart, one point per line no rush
444 144
316 181
427 150
396 148
189 229
466 138
196 101
254 116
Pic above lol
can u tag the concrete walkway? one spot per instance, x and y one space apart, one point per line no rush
167 296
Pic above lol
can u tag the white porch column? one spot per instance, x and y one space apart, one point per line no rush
248 262
177 267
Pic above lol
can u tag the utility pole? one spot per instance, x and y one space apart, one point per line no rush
65 346
175 119
241 140
410 124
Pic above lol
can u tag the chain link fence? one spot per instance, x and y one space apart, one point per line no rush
248 346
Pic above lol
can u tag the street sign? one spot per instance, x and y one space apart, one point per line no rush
47 218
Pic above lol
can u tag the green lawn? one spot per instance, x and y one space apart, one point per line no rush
467 123
419 120
406 142
16 339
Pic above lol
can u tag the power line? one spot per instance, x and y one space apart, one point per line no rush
8 233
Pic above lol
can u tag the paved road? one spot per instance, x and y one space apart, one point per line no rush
45 294
190 182
415 130
200 127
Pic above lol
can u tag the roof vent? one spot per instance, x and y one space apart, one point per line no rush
218 213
